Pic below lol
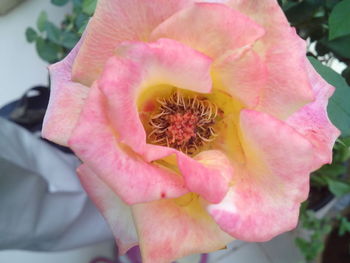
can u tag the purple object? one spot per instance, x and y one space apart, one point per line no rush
204 258
134 256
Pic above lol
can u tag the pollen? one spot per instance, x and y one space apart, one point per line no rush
183 123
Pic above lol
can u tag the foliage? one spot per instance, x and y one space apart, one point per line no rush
339 24
333 176
339 106
54 42
324 22
344 225
319 227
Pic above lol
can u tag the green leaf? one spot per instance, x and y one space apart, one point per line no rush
317 179
81 20
31 35
77 4
41 21
308 248
339 106
82 28
339 22
337 187
89 6
69 39
346 74
344 226
339 46
59 2
287 4
342 151
345 141
302 11
302 244
53 32
332 170
48 51
331 3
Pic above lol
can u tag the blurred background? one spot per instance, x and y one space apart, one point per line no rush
36 33
21 68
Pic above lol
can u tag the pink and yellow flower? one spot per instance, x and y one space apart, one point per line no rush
197 122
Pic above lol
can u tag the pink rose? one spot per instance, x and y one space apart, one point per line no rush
197 123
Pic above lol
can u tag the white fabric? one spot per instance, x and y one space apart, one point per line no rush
42 204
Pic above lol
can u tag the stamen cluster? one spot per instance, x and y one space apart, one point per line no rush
183 123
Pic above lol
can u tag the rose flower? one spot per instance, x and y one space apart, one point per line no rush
197 122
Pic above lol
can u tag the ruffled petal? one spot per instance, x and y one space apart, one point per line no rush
142 65
66 101
167 61
171 229
211 167
114 22
312 120
210 28
268 189
115 211
126 173
243 75
283 51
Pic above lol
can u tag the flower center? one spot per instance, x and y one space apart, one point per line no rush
183 123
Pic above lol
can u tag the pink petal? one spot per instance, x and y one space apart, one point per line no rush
288 87
169 62
163 62
243 75
145 65
268 189
114 22
66 101
211 28
126 173
212 167
312 120
171 229
114 210
208 174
